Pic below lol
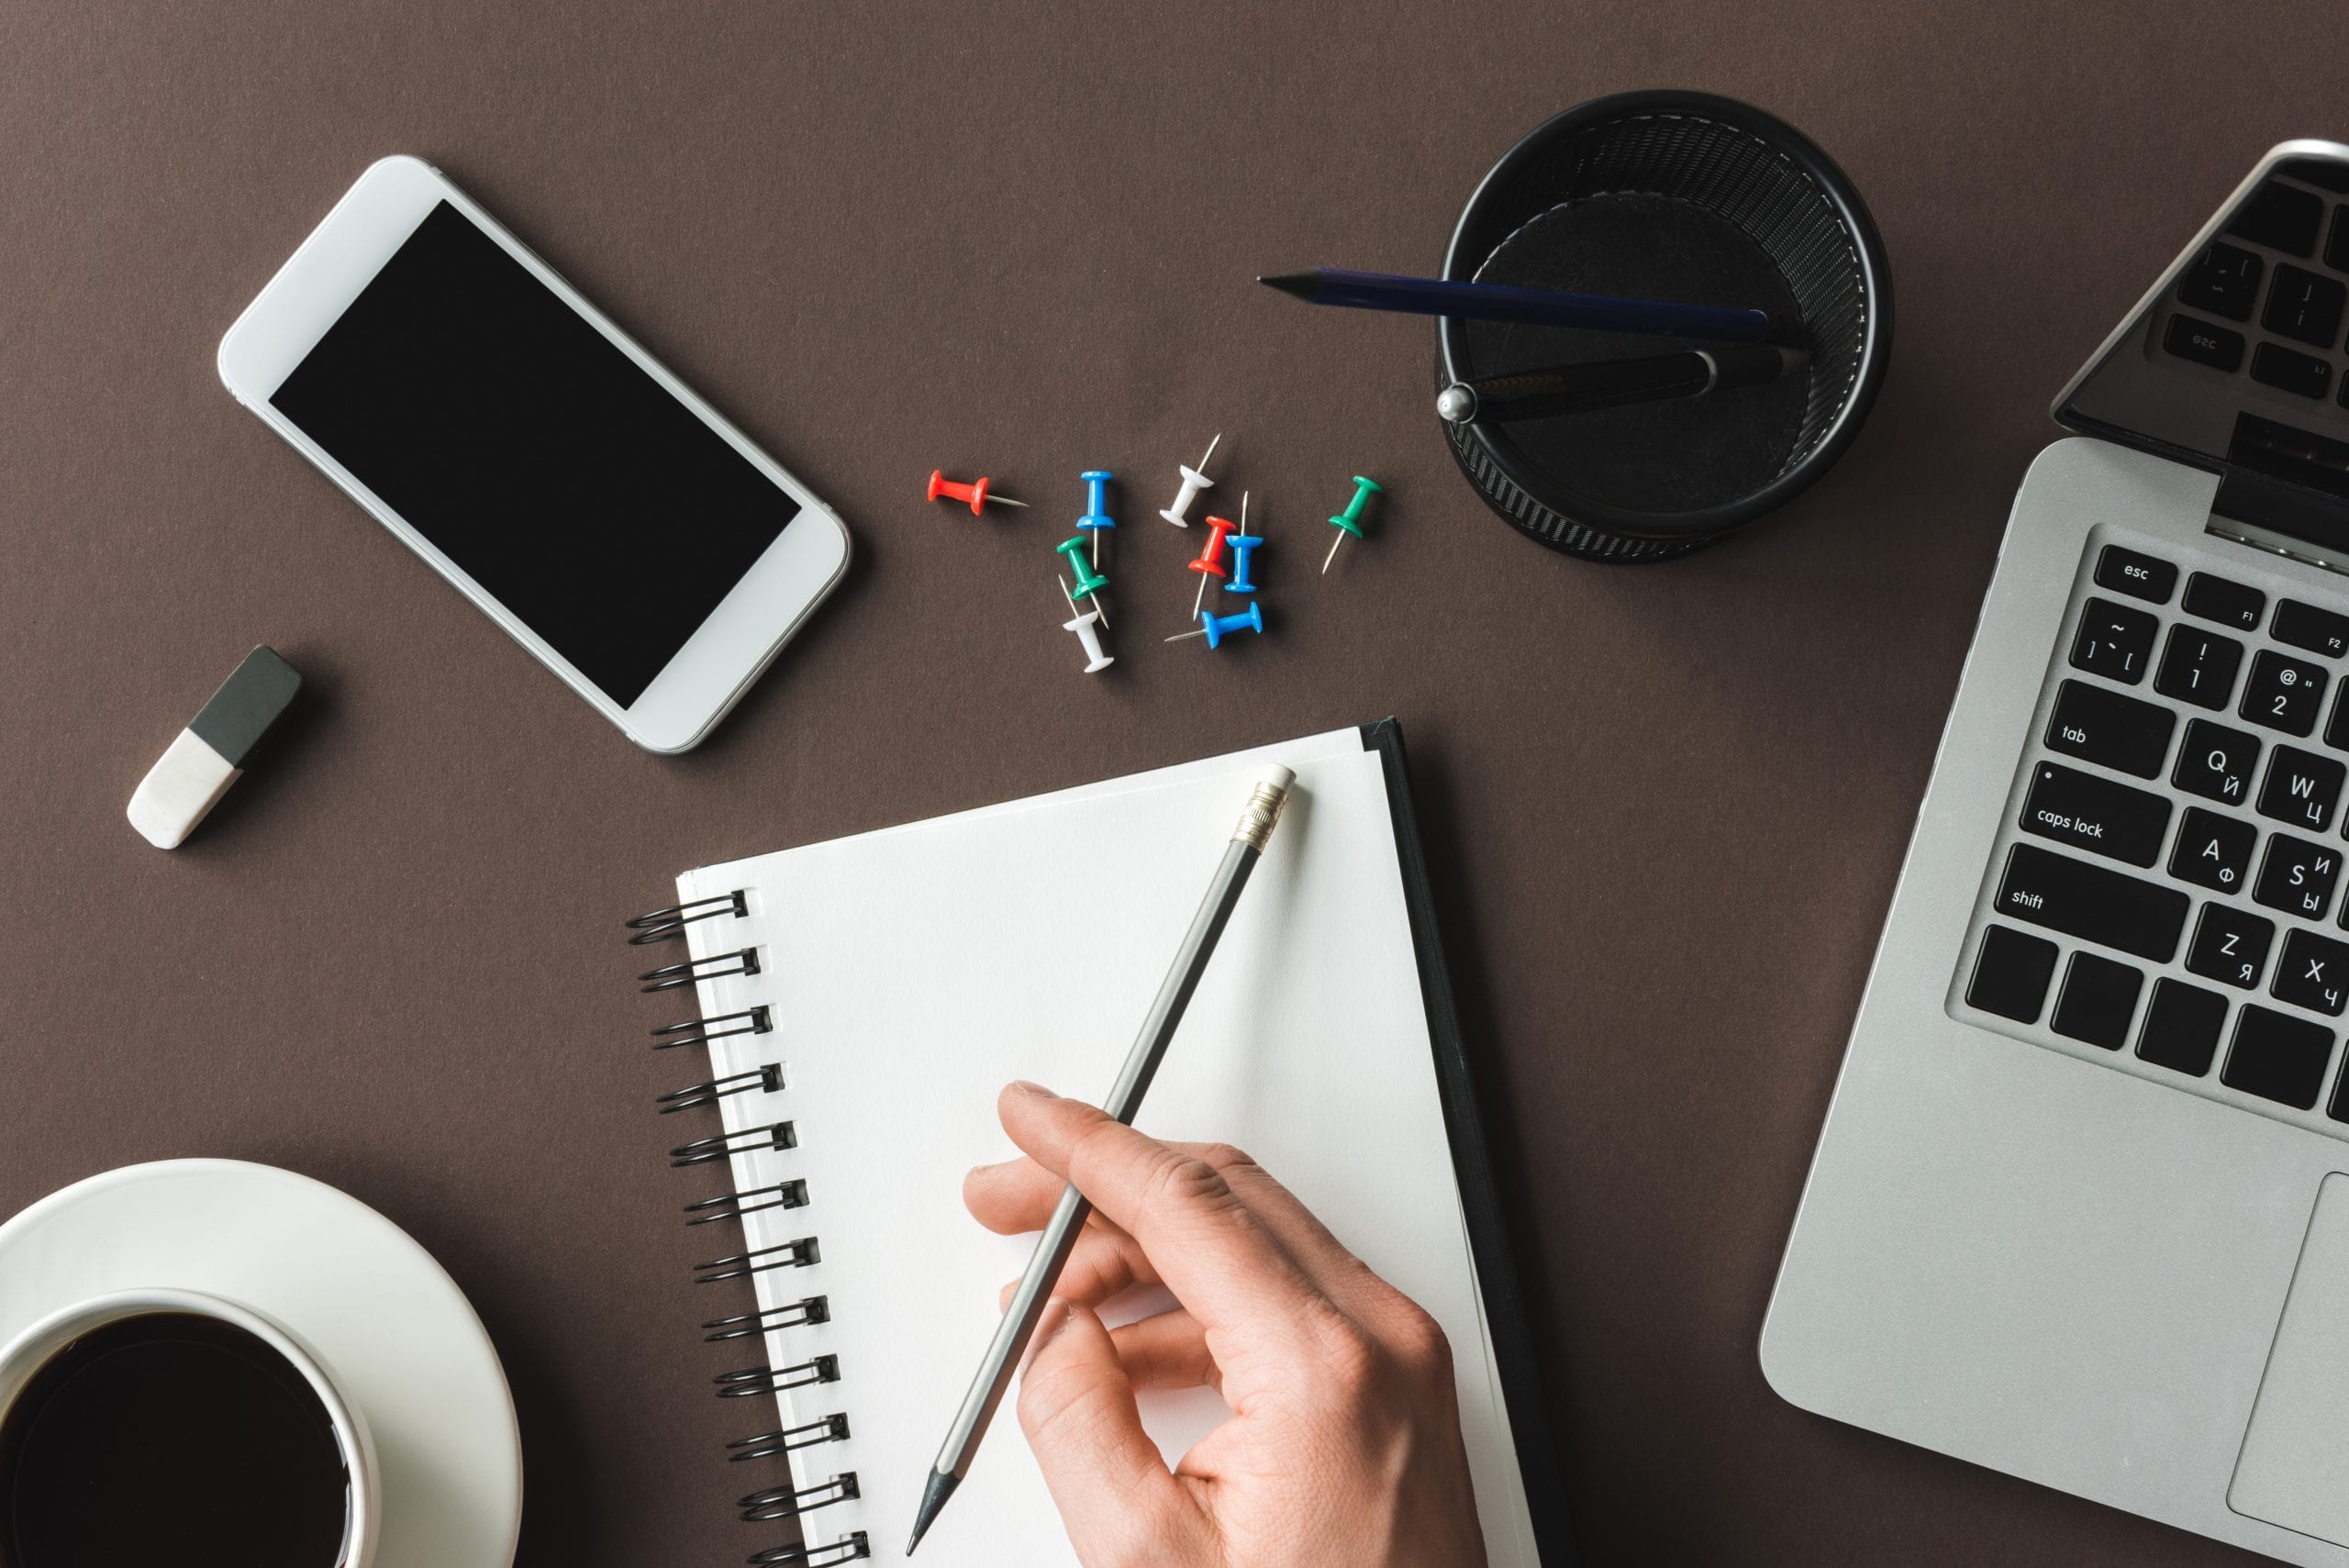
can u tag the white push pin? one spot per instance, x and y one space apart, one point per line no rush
1193 483
1087 628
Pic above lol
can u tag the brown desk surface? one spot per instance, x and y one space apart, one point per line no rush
1666 806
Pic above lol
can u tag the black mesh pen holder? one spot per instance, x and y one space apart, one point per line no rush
1695 199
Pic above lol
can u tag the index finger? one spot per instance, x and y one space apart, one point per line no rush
1209 1247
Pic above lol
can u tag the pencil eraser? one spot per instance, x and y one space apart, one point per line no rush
209 755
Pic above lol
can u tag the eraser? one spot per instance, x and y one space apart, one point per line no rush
210 754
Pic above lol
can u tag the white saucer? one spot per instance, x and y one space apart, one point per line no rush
394 1327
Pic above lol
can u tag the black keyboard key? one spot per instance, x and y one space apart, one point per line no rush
2114 641
2213 851
2216 763
2280 217
2339 1109
2277 1057
2181 1031
2111 730
2283 693
2224 280
2229 946
2199 667
2305 626
2305 305
2336 730
2200 344
2302 789
2336 242
2297 876
2139 576
2312 973
2010 974
2096 815
2098 998
2224 600
2042 888
2289 370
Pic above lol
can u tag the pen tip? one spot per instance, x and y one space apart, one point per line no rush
1302 285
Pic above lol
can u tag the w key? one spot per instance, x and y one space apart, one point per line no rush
2096 815
2314 973
2301 788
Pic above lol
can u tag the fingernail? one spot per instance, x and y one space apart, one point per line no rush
1038 1090
1055 1318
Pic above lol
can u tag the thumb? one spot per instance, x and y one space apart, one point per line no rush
1115 1495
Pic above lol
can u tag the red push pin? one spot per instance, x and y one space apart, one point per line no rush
976 495
1210 560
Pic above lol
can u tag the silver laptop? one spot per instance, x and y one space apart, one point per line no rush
2080 1211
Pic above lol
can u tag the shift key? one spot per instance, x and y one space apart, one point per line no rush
2097 815
2085 901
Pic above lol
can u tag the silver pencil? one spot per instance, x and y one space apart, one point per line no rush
1052 1248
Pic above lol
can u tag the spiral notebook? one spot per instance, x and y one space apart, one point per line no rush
863 1001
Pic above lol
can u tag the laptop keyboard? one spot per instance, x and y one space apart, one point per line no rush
2268 298
2166 892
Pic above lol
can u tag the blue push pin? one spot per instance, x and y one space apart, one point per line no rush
1097 510
1214 628
1242 546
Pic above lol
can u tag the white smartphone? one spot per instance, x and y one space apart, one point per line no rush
461 390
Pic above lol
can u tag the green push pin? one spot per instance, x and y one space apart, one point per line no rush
1350 520
1089 583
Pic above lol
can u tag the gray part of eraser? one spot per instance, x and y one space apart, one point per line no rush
247 703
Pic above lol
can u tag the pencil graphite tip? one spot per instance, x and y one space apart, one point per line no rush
1303 285
934 1493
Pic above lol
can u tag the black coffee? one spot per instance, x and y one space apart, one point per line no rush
170 1438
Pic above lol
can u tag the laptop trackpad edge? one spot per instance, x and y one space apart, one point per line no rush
2294 1467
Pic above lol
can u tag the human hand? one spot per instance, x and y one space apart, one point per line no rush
1343 1450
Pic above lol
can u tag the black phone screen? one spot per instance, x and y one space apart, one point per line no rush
550 466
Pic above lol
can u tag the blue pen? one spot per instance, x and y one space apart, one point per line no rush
1545 307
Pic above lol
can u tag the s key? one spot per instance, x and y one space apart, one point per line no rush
2297 876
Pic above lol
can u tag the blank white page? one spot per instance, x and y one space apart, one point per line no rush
913 972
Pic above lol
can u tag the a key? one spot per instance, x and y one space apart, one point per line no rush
2100 725
2277 1057
2229 946
2283 693
2114 641
2301 788
2094 814
2216 763
2010 974
2098 998
2181 1031
2213 851
2297 876
2042 888
2199 666
2312 974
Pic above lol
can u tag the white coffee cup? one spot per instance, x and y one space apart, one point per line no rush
30 1350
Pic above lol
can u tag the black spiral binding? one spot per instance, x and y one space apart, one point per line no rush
661 924
833 1429
776 1502
702 1151
747 1325
789 1502
848 1549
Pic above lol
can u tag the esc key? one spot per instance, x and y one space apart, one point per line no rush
2139 576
